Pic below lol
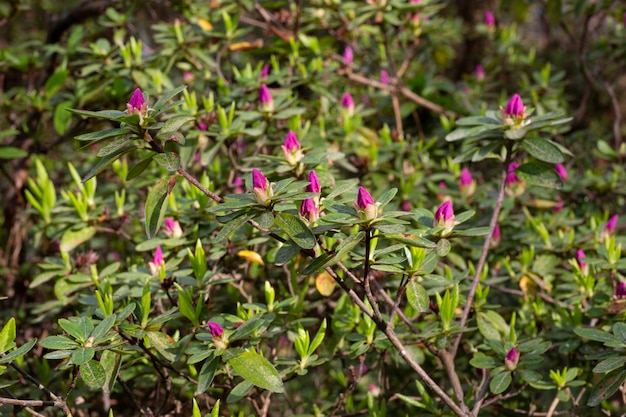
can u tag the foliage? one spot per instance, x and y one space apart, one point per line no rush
316 208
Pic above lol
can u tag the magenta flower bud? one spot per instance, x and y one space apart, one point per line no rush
365 205
265 99
610 225
314 183
495 235
347 103
158 256
137 101
480 72
467 185
261 187
559 205
172 228
348 56
265 71
444 217
406 205
238 185
157 265
384 76
216 330
309 210
511 359
291 149
511 177
490 21
560 169
515 107
620 291
580 257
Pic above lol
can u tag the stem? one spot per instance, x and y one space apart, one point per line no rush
553 406
199 186
483 255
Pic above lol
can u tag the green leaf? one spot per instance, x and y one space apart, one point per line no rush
11 152
594 334
543 150
156 205
539 174
138 168
73 238
387 196
482 361
21 351
102 329
478 121
169 160
108 160
240 391
257 370
233 225
102 134
417 297
166 97
103 114
474 231
342 187
173 125
415 241
7 335
62 118
324 260
609 364
606 386
55 82
93 374
58 342
205 377
286 252
500 382
463 133
111 363
296 229
164 345
75 330
114 146
82 355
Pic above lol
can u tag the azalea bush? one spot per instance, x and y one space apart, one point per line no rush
318 208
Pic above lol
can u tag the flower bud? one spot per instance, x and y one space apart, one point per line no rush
309 210
580 256
314 183
365 205
620 291
511 359
216 330
467 185
444 217
347 103
515 107
495 236
157 265
172 228
490 21
137 105
348 56
261 188
560 169
265 99
265 71
480 72
610 225
292 149
384 76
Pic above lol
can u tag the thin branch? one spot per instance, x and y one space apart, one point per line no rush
553 406
617 121
59 402
199 186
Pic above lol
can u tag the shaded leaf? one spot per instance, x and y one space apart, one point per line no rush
257 370
539 174
543 150
296 229
417 297
156 204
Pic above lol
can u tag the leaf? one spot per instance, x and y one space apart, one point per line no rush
482 361
474 231
205 377
539 174
73 238
594 334
240 391
286 252
173 125
387 196
296 229
82 355
500 382
102 134
20 351
609 364
417 297
102 114
169 160
257 370
164 345
11 152
324 260
106 161
606 386
543 150
102 329
325 284
233 225
93 374
342 187
62 118
55 82
74 330
7 335
156 205
478 121
166 97
463 133
111 363
58 342
138 168
113 147
415 241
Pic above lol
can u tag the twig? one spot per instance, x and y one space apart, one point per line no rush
617 121
553 406
59 402
199 186
482 392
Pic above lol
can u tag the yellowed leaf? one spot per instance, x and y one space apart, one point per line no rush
205 24
251 256
244 46
325 284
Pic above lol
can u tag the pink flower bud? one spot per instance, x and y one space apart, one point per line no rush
365 205
347 103
348 56
292 149
238 184
265 99
172 228
480 72
444 217
384 77
215 329
515 107
261 187
406 205
490 21
511 177
137 101
265 71
620 291
559 205
467 185
580 256
610 225
158 256
309 211
496 236
560 169
314 183
511 359
157 265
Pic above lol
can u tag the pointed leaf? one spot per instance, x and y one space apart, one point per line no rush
7 335
500 382
606 386
169 160
156 204
539 174
257 370
543 150
205 377
20 351
296 229
417 297
82 355
93 374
